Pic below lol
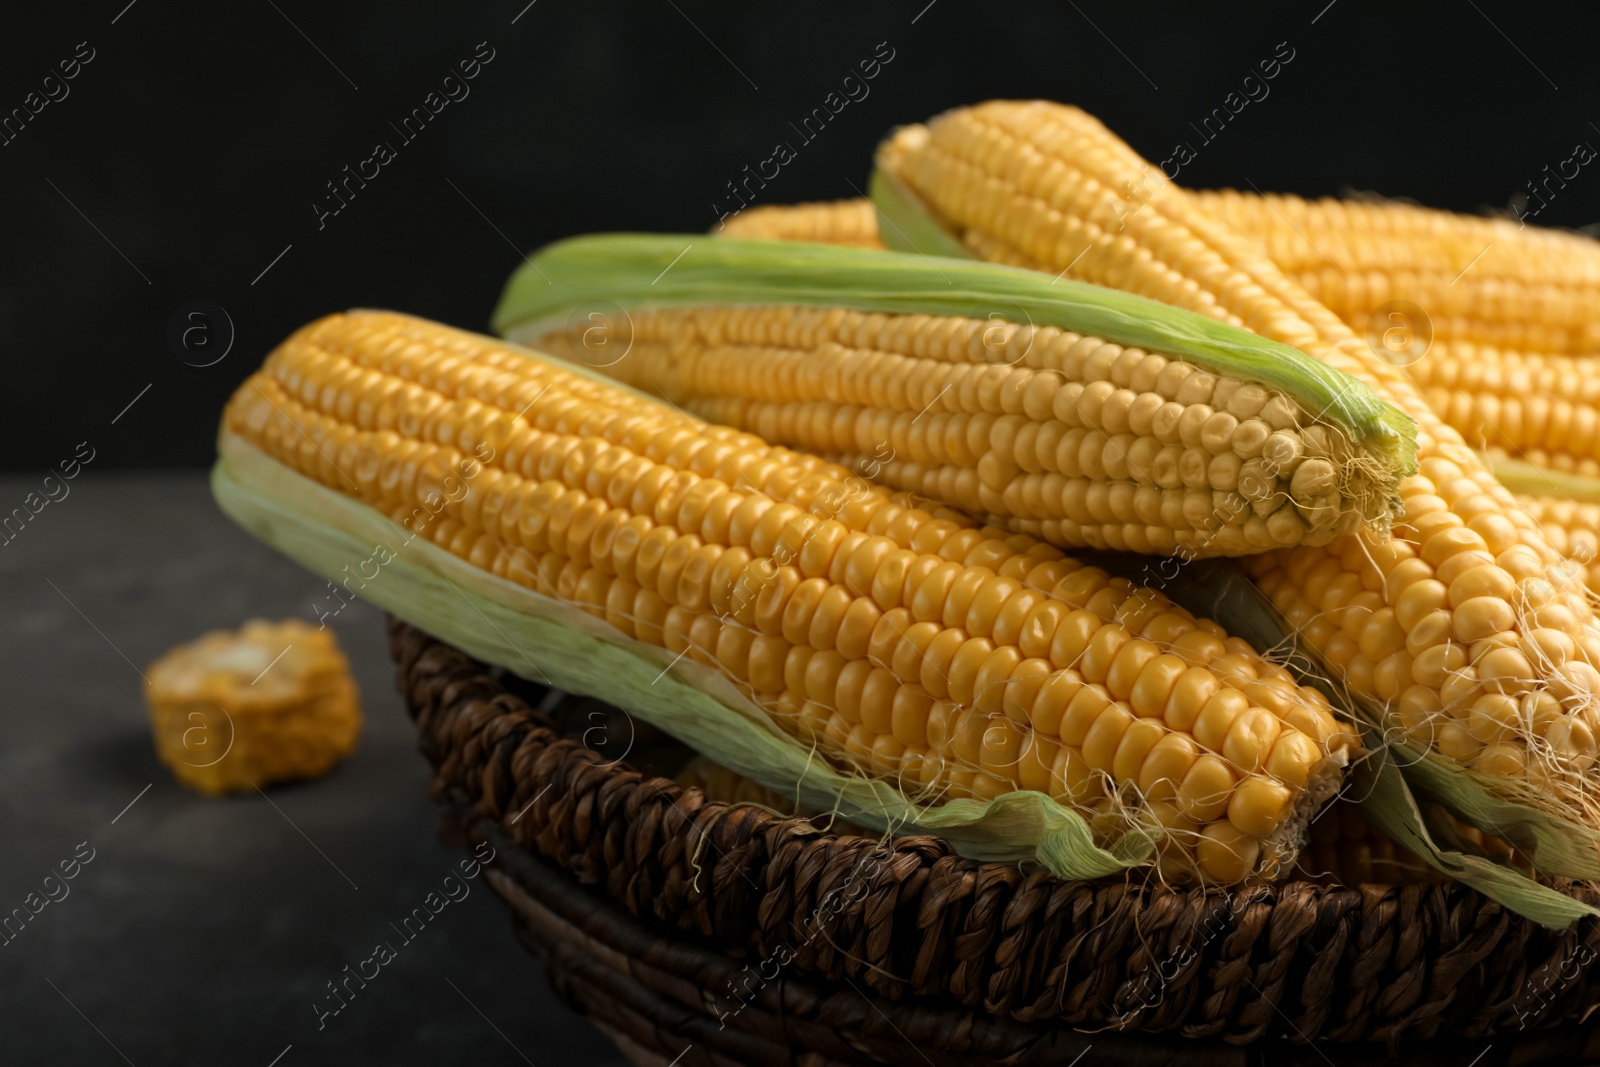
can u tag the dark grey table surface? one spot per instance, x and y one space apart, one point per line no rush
203 930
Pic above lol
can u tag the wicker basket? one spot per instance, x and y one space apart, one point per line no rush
694 932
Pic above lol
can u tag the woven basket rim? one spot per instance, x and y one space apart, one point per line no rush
913 921
654 993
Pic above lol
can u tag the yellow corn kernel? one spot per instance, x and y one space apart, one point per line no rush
1572 528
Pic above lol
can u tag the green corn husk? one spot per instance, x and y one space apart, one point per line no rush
499 622
904 222
1390 780
1529 480
1387 800
639 272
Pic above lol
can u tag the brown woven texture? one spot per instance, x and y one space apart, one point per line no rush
974 958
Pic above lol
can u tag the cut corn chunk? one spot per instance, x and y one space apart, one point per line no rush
952 660
272 702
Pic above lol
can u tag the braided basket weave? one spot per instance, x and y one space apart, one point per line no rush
698 933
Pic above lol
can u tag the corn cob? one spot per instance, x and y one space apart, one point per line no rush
1119 476
1489 282
1169 446
1544 410
954 660
852 223
270 703
1465 629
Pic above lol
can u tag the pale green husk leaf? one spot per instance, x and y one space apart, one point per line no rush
502 623
905 225
1386 799
1529 480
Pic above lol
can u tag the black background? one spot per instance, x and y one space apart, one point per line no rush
200 135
